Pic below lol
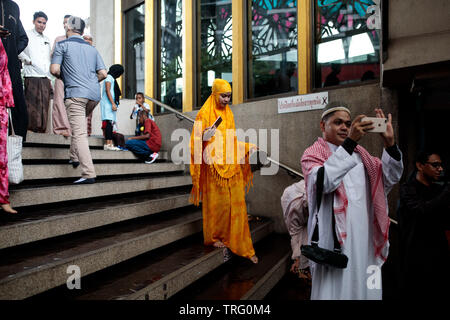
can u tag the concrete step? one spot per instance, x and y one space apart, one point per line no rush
21 196
290 288
35 268
52 153
239 279
54 171
156 275
54 139
34 225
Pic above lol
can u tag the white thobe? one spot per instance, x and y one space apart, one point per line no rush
351 283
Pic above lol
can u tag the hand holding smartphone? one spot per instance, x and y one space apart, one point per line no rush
209 132
380 124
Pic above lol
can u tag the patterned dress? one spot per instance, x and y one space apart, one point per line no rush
6 101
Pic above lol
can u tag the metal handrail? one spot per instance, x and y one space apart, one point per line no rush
165 106
178 113
285 167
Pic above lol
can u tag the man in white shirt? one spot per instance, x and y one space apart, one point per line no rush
355 187
38 88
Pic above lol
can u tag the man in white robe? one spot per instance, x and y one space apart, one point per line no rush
356 185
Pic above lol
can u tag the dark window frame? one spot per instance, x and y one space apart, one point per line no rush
157 54
314 55
248 38
197 55
136 4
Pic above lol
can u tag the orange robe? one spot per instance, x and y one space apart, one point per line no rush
221 176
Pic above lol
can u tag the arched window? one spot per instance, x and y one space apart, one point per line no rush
134 51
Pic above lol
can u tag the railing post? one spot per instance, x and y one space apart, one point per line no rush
304 18
118 36
150 56
239 9
188 55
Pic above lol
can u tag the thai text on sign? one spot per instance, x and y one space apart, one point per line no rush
303 103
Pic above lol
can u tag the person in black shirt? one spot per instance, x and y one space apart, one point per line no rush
423 218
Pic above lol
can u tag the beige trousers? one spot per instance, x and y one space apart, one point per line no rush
77 109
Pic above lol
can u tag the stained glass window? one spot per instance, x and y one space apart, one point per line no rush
215 45
347 51
171 70
272 67
134 51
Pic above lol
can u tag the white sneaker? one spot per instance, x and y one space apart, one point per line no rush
152 158
110 147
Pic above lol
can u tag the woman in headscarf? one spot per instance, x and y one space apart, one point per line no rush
6 101
109 104
221 176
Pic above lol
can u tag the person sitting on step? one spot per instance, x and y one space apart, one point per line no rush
147 145
140 105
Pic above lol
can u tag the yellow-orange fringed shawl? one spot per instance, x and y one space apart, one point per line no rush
224 171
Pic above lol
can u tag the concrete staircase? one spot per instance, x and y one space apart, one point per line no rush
133 234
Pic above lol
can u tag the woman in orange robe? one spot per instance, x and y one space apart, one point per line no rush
220 173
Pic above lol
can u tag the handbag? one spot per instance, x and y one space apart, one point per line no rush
332 258
14 149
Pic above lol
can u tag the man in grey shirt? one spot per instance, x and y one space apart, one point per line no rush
81 68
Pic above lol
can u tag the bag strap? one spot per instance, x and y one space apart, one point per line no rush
319 193
10 120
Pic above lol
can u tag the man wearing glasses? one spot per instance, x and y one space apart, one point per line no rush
423 219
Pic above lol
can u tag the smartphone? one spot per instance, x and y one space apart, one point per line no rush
4 29
217 122
208 135
380 124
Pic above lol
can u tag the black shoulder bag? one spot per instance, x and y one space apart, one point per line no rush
332 258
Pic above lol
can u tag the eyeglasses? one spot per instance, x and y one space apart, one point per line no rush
435 164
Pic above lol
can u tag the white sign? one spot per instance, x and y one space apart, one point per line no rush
305 102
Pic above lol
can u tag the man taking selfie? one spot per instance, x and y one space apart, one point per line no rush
355 186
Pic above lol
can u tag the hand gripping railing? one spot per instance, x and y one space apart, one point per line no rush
183 116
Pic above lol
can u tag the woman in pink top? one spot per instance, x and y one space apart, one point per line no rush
6 101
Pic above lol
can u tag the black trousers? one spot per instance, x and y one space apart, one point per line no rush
109 130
